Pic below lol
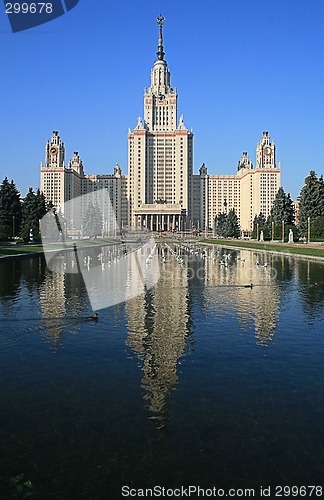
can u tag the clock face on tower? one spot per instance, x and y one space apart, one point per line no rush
53 150
161 97
267 150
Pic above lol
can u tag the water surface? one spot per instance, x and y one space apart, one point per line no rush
198 381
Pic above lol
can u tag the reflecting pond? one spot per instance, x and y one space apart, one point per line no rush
202 380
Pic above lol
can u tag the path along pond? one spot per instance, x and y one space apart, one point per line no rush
201 380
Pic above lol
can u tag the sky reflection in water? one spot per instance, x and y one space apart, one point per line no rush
199 380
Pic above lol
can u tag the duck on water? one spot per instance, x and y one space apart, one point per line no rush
94 317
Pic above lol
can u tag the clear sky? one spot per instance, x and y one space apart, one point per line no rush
240 67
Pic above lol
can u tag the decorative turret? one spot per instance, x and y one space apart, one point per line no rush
76 163
203 170
117 171
245 162
139 125
55 152
181 125
266 152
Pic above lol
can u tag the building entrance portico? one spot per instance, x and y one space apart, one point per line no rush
160 217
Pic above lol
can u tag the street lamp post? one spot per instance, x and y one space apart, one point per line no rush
272 230
308 230
283 231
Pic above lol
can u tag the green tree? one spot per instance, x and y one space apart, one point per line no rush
317 228
10 210
227 225
53 226
220 224
260 223
232 224
92 221
282 208
33 209
311 202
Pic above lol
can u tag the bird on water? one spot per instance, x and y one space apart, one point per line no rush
94 317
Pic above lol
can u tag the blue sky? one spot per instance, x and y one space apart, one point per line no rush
239 68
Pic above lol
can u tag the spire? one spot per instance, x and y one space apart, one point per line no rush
160 99
160 20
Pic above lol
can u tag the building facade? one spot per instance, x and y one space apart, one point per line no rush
160 191
61 183
249 192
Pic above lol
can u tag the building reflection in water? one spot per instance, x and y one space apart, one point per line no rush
262 303
158 321
158 325
52 305
61 298
227 276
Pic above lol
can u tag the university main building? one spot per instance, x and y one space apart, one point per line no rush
160 191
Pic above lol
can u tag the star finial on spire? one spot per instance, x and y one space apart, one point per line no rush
160 20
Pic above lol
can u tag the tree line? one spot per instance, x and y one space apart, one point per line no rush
282 217
20 215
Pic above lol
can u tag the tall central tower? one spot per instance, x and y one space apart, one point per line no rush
160 101
160 156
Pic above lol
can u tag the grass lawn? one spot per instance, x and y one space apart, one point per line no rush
296 248
20 249
30 249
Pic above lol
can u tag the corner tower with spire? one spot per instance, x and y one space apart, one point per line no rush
160 156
